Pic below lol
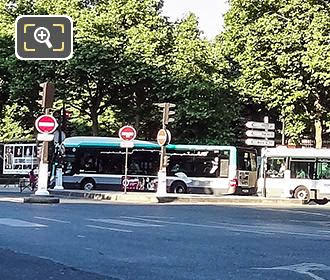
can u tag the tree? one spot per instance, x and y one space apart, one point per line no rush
119 55
206 108
273 44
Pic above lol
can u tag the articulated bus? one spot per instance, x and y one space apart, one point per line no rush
99 163
299 173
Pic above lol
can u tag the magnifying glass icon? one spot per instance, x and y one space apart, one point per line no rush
42 35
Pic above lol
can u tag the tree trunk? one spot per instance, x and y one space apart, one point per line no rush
95 123
137 121
318 134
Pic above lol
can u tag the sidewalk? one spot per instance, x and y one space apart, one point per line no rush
144 197
12 193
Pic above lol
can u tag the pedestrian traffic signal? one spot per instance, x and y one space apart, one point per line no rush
47 95
166 161
39 150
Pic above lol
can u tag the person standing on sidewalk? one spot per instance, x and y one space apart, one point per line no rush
32 180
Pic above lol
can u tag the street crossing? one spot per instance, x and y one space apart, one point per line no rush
130 224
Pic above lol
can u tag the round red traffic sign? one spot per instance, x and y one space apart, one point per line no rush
127 133
46 124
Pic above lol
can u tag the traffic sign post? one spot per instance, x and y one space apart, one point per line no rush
164 138
260 125
260 134
260 142
127 134
46 124
263 132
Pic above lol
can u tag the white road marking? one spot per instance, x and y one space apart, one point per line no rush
107 228
263 228
124 223
155 217
326 231
18 223
299 212
303 268
8 199
200 225
53 220
321 223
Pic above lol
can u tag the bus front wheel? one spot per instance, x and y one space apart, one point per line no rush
179 187
302 193
88 184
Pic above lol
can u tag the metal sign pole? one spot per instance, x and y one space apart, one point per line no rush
266 120
43 168
126 168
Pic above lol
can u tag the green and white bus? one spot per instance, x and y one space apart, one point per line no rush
98 163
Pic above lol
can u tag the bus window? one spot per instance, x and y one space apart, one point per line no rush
206 166
181 163
111 163
275 167
323 169
246 161
88 162
302 169
224 163
143 163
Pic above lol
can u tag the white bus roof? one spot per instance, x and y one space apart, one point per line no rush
284 151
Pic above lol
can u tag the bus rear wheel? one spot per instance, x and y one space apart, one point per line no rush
302 193
179 187
87 184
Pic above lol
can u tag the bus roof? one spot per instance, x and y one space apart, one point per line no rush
180 147
284 151
113 142
103 142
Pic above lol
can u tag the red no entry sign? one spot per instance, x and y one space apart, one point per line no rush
127 133
46 124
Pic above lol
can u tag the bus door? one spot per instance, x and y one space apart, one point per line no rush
276 181
323 176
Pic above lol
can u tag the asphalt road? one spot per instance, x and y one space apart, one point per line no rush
112 241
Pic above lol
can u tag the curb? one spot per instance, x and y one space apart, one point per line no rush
174 199
227 200
41 199
137 198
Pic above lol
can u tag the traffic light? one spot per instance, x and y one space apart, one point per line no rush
66 115
168 112
39 150
166 161
47 95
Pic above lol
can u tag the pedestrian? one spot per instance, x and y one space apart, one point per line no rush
32 180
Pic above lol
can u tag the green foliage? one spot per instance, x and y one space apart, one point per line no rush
272 58
10 128
281 52
207 107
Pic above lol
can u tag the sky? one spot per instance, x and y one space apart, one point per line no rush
209 12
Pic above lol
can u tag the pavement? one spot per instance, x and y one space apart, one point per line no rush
13 194
117 241
147 197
